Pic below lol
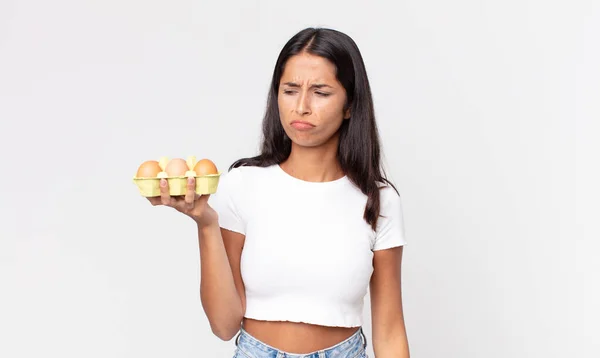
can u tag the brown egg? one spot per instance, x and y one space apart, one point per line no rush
205 167
176 167
148 169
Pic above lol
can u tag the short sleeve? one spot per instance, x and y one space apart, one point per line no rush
226 201
390 225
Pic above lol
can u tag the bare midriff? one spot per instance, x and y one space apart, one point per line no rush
295 337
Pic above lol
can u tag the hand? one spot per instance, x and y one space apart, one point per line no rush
192 204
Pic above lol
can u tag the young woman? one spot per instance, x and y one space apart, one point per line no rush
293 237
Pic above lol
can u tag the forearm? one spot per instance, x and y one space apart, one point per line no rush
394 346
219 297
391 351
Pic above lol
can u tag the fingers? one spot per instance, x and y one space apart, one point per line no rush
165 197
190 194
180 203
202 198
154 200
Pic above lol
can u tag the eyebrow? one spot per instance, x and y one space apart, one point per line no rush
316 85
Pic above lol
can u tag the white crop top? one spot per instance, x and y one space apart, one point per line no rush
308 252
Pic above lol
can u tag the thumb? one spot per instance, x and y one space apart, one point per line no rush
202 198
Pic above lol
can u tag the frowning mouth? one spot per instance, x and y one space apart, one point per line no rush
302 125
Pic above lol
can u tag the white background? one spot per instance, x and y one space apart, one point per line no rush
482 107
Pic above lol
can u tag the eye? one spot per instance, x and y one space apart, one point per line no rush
323 94
288 92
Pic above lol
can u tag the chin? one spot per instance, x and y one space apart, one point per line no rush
310 141
306 143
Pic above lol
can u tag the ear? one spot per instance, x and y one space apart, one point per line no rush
347 114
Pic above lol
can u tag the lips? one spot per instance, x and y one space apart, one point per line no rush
302 125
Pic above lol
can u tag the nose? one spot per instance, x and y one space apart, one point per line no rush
303 105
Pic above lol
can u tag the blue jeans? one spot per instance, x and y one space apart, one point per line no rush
250 347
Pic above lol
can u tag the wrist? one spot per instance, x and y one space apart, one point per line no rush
207 228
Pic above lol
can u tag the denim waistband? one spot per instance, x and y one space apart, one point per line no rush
350 347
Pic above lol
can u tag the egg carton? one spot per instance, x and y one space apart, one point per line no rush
205 184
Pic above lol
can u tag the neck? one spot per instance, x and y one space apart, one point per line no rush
314 164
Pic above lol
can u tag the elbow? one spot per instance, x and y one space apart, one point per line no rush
225 333
225 322
227 327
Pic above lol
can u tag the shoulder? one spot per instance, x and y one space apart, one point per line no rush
390 204
247 172
390 224
244 178
388 195
231 179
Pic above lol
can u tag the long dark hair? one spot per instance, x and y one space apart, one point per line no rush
359 148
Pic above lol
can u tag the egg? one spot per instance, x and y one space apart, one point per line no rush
148 169
205 167
176 167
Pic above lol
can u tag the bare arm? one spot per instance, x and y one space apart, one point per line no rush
221 289
389 333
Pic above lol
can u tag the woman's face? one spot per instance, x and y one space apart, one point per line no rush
311 100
